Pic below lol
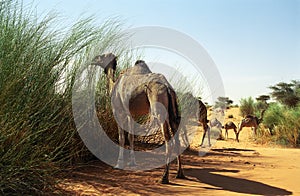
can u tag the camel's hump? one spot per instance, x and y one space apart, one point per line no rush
140 67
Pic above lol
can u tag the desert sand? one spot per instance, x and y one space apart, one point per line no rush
228 168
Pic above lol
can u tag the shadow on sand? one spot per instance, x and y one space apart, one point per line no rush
232 150
238 185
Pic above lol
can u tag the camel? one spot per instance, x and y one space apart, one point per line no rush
201 115
215 123
250 121
135 92
202 118
230 125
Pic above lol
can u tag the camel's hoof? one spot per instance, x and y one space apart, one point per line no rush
180 176
132 164
203 146
119 166
165 181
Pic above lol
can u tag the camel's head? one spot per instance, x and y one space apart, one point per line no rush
109 63
106 61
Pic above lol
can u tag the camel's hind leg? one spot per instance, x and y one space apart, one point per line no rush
120 162
132 162
226 133
168 144
237 135
206 130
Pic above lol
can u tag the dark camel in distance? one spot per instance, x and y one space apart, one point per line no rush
202 118
230 125
250 121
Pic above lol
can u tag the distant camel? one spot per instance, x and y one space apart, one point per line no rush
201 114
250 121
136 92
217 124
230 125
202 118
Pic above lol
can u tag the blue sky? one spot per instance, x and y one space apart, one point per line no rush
254 43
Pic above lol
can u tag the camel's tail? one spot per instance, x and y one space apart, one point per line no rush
174 117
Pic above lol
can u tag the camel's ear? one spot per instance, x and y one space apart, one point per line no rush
96 60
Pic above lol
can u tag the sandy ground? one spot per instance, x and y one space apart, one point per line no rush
229 168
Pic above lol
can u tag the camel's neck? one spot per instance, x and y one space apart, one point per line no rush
110 80
261 116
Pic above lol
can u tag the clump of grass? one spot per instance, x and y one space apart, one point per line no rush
288 130
38 135
273 116
283 125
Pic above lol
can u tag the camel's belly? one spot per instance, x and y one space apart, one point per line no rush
139 105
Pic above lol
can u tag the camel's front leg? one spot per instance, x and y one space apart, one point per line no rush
206 130
237 136
226 134
204 134
255 130
132 162
179 165
177 148
208 134
120 163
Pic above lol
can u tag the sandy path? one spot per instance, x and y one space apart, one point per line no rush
229 168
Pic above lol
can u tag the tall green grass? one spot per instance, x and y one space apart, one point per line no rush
284 123
247 106
37 133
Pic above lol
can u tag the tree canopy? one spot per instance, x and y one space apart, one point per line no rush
223 102
287 93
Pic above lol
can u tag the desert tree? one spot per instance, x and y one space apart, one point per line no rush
262 103
287 93
223 102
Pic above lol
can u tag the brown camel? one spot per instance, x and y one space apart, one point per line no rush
250 121
136 92
201 115
230 125
202 118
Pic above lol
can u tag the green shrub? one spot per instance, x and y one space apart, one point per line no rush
273 116
284 124
247 106
289 128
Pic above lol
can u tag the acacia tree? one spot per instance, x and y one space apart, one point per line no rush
262 102
263 98
287 93
223 102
